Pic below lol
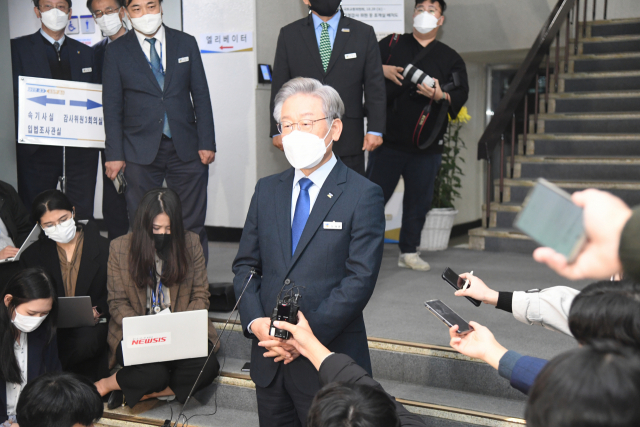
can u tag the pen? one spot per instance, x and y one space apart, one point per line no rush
466 282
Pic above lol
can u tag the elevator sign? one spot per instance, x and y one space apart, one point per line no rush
60 113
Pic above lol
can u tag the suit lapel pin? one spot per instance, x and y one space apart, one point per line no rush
78 52
329 195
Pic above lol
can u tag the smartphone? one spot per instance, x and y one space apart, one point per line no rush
550 218
457 282
246 367
448 316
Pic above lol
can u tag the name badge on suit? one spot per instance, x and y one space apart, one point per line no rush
332 225
183 59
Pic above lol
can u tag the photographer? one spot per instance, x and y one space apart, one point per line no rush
417 107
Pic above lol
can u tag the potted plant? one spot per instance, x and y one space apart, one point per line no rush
439 222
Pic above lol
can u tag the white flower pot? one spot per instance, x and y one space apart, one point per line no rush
437 229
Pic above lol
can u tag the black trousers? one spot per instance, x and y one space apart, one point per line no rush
188 179
419 172
139 380
114 207
84 351
40 166
355 162
282 404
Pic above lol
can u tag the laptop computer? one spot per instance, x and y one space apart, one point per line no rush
75 312
32 237
164 337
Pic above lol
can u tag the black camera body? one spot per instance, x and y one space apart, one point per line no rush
285 311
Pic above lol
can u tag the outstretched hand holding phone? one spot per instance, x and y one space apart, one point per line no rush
479 343
478 290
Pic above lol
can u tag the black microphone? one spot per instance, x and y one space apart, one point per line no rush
252 273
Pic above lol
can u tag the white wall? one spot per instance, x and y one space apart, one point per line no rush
7 122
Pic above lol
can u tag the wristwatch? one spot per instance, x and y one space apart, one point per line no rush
444 96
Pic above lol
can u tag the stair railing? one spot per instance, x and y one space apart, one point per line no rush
565 14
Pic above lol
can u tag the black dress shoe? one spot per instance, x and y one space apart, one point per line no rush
116 399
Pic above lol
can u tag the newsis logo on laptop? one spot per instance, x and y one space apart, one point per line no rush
143 341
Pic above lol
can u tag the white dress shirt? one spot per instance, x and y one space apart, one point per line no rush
318 177
51 39
14 390
5 239
161 46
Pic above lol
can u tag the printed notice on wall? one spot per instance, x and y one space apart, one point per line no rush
226 42
385 16
60 112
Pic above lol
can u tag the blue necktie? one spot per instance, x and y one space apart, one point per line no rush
301 215
158 72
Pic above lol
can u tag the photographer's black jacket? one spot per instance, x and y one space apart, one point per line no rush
405 105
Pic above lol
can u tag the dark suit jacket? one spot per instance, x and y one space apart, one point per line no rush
134 103
342 369
14 215
42 357
28 58
92 275
525 372
99 49
298 55
338 268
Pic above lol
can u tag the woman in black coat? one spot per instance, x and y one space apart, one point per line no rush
76 256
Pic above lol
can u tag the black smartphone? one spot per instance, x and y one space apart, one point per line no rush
457 282
448 316
246 367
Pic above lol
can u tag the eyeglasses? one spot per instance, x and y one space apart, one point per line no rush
61 7
108 11
432 10
64 221
285 128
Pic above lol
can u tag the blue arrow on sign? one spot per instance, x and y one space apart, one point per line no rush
89 104
43 100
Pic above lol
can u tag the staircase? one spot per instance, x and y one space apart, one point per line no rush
589 137
446 388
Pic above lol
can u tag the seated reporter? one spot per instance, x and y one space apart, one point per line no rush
59 400
336 401
158 266
608 310
75 255
28 346
14 230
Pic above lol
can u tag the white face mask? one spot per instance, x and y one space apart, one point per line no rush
54 19
27 323
425 22
109 24
63 232
304 150
147 24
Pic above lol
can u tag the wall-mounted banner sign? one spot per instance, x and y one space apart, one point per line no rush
59 112
385 16
226 42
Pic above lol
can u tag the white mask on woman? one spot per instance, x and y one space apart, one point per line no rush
147 24
304 150
27 323
54 19
63 232
425 22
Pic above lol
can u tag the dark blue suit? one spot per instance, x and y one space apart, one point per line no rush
114 205
337 268
42 357
39 166
525 372
135 105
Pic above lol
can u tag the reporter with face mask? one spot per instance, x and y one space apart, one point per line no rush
49 54
75 255
154 87
28 347
158 266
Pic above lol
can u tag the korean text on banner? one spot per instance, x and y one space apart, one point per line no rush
385 16
226 42
60 112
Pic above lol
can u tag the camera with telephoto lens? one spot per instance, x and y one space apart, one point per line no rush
286 310
416 76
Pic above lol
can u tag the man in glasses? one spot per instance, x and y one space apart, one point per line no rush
316 230
49 54
108 15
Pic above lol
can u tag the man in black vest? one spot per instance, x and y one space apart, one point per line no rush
417 119
49 54
342 53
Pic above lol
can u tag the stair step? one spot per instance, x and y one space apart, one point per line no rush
609 44
581 144
567 168
584 102
625 61
501 240
502 215
515 190
599 81
622 122
615 27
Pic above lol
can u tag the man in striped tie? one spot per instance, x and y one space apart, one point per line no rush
340 52
316 229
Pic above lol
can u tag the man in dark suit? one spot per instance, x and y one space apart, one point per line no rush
49 54
14 230
108 15
316 229
342 53
150 115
